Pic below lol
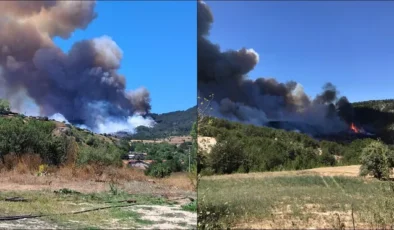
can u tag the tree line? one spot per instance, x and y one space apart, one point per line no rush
248 148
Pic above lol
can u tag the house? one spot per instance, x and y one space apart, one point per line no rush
139 164
137 156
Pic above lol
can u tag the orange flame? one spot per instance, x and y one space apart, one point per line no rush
354 128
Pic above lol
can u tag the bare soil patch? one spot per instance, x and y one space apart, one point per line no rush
167 217
176 184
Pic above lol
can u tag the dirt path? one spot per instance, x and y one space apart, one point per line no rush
157 216
351 170
27 224
166 217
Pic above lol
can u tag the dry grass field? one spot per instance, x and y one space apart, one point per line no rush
156 203
332 198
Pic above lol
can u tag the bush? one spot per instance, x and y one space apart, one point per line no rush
103 155
327 159
377 160
20 137
227 155
159 170
4 106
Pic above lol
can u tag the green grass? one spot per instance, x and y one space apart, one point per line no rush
126 216
48 202
293 201
191 207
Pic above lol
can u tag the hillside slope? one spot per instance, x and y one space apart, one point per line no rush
177 123
240 149
377 115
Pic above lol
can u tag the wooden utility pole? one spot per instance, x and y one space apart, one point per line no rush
189 158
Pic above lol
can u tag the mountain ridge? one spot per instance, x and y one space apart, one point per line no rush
175 123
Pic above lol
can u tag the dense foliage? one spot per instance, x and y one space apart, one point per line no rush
176 123
168 158
380 105
246 148
377 160
4 106
21 135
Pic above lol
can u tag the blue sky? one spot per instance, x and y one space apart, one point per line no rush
350 44
158 40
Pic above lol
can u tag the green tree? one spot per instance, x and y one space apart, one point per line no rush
159 170
4 106
377 160
227 155
327 159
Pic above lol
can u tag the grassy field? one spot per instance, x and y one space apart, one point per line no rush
153 203
121 210
48 202
302 199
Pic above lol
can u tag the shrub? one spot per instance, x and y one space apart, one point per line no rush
377 160
103 155
327 159
159 170
4 106
227 155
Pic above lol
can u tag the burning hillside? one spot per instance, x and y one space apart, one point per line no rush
354 128
82 85
262 101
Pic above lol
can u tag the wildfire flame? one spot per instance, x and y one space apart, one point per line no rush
354 128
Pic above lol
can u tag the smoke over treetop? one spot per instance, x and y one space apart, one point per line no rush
224 73
73 84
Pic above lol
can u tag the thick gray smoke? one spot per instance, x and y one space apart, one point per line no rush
263 100
83 85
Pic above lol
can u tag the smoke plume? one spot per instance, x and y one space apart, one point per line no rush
237 98
82 85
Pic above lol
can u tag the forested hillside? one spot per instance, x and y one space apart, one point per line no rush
248 148
58 144
380 105
378 115
178 123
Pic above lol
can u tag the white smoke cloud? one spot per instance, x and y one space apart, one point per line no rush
111 124
138 120
59 117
